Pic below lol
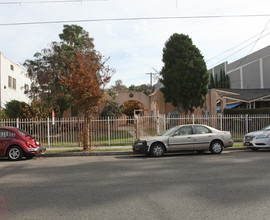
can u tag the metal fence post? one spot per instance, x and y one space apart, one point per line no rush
193 120
221 122
246 123
17 123
48 130
109 136
137 129
158 132
164 125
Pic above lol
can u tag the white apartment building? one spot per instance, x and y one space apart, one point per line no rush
13 82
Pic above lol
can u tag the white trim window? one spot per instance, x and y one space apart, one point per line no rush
11 82
14 83
26 87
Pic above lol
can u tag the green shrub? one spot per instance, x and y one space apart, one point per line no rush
247 111
14 109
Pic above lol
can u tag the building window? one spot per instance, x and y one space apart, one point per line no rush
9 81
26 88
11 67
14 83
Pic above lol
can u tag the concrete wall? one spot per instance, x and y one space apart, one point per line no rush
251 75
147 101
266 72
215 71
138 96
252 71
164 108
235 79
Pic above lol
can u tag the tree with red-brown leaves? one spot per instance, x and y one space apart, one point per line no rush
86 77
44 70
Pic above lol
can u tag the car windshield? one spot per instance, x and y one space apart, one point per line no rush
171 130
266 128
22 132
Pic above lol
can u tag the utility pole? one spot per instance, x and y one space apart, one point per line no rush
151 78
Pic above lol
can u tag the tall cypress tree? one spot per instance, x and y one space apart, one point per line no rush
184 74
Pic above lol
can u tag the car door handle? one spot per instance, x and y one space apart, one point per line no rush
209 135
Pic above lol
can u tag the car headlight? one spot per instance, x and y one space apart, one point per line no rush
28 144
261 136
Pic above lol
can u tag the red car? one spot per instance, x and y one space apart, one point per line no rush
15 143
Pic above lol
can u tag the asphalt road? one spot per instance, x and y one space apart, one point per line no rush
233 185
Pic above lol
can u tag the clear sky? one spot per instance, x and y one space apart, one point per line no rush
133 33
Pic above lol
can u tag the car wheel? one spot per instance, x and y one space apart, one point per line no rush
14 153
157 150
216 147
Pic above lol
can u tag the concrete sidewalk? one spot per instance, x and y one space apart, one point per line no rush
93 148
99 151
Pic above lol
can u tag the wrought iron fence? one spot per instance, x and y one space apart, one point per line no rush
124 131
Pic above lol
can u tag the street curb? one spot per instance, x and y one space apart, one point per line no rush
108 153
235 148
90 153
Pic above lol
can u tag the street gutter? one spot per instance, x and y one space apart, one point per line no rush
128 151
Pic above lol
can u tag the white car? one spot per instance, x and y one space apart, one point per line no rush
258 139
185 137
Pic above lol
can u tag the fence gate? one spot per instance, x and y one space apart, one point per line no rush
148 126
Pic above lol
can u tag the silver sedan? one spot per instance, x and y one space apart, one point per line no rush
258 139
185 137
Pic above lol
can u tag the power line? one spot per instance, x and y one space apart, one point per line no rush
212 66
233 47
134 19
45 2
265 27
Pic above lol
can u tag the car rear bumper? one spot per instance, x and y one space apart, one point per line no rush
228 144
